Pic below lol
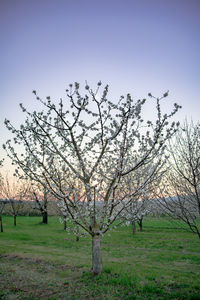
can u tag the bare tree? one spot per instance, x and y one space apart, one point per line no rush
180 196
15 192
89 139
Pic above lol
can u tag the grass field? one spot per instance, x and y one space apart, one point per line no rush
44 262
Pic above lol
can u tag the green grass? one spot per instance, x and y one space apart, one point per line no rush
43 262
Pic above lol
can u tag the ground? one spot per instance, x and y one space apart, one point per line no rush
43 262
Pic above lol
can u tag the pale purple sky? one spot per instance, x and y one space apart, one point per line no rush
135 46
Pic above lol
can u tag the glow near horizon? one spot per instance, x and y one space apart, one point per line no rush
135 46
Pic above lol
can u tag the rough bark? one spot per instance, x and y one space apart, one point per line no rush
96 255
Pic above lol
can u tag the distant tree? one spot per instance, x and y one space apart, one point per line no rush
139 205
89 139
64 207
15 193
40 194
3 202
134 213
180 192
63 213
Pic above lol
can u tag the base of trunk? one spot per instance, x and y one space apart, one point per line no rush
1 223
45 218
133 227
140 225
96 255
65 224
15 220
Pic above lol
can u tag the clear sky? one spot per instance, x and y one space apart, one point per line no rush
135 46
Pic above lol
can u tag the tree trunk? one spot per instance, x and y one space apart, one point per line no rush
65 224
197 231
96 255
140 224
133 227
77 233
15 220
44 217
1 223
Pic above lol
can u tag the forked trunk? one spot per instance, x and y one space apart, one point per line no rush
140 224
96 255
45 217
133 227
